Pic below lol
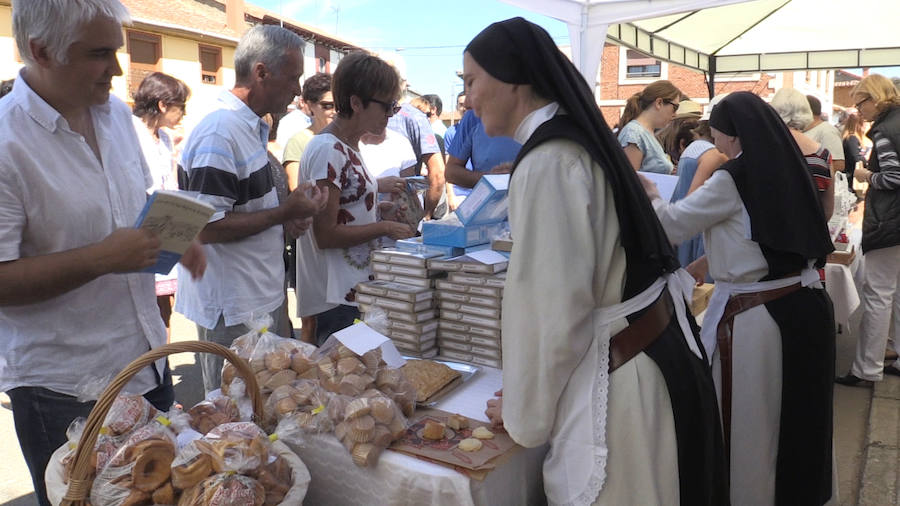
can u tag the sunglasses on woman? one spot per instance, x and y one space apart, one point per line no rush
389 108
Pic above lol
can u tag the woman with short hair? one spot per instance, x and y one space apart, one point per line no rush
160 104
793 108
320 102
878 101
646 112
365 90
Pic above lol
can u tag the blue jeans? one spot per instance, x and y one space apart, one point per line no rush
333 320
42 416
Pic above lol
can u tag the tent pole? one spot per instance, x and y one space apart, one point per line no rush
711 77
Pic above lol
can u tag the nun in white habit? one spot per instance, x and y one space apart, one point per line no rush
601 358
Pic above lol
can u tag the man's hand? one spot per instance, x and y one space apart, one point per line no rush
861 174
494 410
194 260
297 227
306 201
127 250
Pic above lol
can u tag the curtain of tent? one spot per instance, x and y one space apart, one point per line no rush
589 20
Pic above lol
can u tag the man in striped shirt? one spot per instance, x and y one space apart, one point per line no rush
225 160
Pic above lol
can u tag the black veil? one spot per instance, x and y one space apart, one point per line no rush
772 178
516 51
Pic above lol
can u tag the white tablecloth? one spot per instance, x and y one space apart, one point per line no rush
400 479
842 290
842 282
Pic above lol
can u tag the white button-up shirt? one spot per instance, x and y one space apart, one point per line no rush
55 195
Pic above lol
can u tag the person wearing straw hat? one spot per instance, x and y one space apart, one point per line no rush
605 364
688 113
73 304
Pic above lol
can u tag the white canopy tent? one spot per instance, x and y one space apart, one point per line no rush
732 35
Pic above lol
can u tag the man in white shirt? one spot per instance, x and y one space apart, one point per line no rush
437 107
825 134
225 160
73 304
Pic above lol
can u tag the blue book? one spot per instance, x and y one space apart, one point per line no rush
177 218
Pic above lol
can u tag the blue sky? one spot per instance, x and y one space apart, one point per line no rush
431 35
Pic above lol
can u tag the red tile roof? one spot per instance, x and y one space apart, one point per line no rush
209 16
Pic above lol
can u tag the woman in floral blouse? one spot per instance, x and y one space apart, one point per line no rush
335 257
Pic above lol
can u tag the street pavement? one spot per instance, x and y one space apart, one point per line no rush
867 429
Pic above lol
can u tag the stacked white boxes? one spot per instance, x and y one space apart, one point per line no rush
404 289
470 300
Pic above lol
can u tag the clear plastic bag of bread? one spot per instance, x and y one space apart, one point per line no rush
210 413
140 468
366 424
73 435
180 423
276 361
344 372
192 468
377 318
237 447
225 489
303 401
127 413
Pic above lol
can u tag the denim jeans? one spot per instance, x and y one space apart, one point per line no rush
42 416
333 320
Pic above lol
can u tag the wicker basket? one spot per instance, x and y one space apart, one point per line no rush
79 490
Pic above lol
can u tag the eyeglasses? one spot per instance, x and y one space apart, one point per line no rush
180 105
674 105
863 101
389 108
326 106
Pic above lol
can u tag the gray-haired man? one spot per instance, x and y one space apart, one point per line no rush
72 183
225 160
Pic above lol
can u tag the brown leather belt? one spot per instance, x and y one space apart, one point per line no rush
724 335
641 333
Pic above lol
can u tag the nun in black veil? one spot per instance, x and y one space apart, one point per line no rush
601 358
769 327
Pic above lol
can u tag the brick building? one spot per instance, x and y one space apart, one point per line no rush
624 72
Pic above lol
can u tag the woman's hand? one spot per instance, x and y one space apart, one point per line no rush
494 410
391 184
862 175
398 231
649 187
698 269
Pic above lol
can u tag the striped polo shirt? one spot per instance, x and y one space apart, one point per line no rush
224 160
